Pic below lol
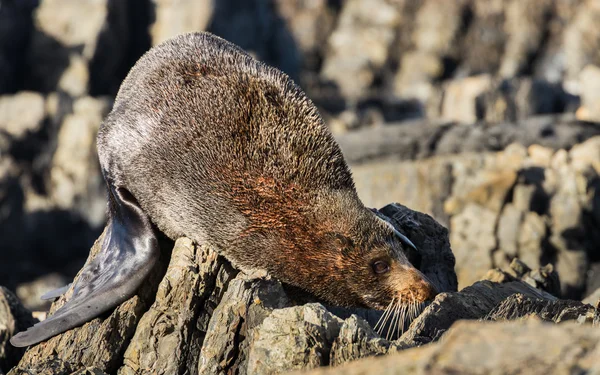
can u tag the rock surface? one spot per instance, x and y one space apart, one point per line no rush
533 203
499 348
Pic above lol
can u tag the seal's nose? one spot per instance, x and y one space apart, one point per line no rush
424 289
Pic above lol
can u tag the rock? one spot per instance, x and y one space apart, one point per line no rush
13 318
310 23
473 302
437 26
525 27
21 113
460 98
292 338
485 347
590 98
423 139
202 314
593 298
171 322
178 17
359 45
437 260
557 311
532 203
520 98
246 304
580 38
356 339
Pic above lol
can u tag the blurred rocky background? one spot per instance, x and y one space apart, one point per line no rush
483 113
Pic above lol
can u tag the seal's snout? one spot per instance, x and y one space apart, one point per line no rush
422 289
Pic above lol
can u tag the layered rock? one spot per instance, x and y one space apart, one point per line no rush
532 203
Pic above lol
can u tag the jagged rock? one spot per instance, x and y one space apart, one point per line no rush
292 338
478 195
498 348
310 23
422 139
557 311
99 343
580 38
593 298
13 318
431 238
167 332
473 302
205 317
356 339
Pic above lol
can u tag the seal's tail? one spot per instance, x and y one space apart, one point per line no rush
128 253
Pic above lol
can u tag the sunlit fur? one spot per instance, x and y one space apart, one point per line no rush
225 150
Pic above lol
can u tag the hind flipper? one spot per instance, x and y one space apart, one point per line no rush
53 294
128 253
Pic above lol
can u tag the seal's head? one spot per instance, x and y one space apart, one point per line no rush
381 267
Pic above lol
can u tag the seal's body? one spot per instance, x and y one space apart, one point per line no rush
206 142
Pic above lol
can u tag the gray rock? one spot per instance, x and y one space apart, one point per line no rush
472 302
357 340
557 311
292 338
431 239
492 348
245 305
163 336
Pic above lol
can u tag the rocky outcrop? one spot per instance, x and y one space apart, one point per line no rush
533 203
202 316
484 347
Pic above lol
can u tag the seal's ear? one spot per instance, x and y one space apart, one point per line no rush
128 253
405 241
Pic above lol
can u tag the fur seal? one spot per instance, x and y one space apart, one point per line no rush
206 142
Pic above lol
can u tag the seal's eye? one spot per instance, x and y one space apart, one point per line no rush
381 267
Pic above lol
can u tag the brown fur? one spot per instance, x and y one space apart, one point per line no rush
219 147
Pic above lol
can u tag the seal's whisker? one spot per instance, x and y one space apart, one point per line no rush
381 322
388 315
391 322
397 310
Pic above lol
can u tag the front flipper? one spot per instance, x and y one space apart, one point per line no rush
128 253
